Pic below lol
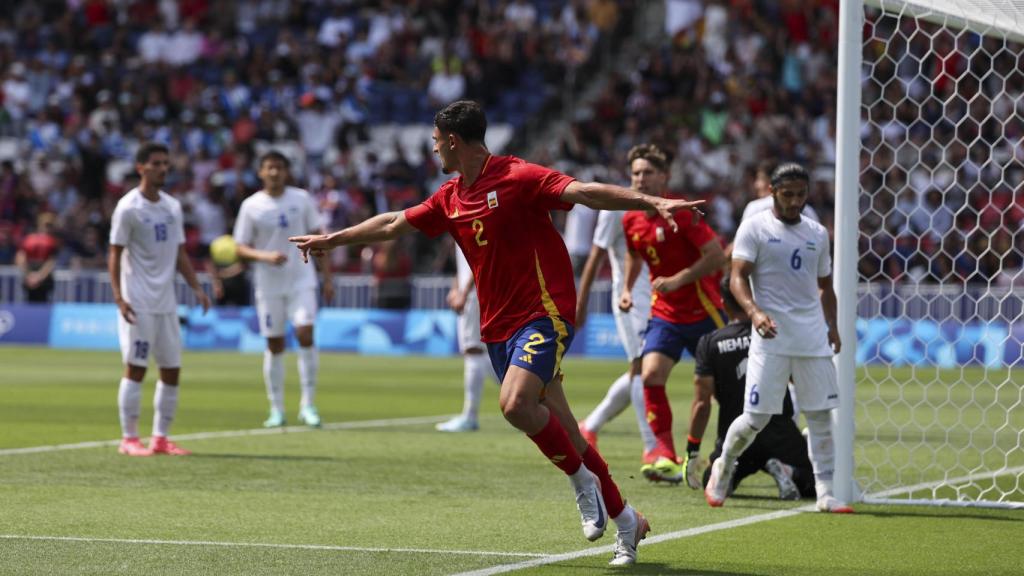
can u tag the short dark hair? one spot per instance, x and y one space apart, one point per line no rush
727 298
464 118
788 171
652 153
148 149
275 155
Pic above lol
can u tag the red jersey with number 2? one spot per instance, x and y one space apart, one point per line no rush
666 253
502 223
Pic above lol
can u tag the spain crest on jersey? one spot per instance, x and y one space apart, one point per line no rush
492 199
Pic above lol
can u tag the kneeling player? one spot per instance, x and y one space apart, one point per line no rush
721 371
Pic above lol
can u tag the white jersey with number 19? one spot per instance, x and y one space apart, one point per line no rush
151 233
788 260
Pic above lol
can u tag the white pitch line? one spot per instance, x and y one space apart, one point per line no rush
267 545
237 433
679 534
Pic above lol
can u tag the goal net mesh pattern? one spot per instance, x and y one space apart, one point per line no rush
940 378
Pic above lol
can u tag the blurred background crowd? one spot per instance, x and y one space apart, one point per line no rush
347 89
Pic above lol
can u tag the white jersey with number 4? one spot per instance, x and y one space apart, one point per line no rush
265 223
150 233
788 260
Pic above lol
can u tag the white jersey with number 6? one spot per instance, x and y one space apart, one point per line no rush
151 233
788 260
265 223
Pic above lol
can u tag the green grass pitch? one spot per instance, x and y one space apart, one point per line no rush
379 492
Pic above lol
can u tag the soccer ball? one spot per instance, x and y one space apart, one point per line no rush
223 250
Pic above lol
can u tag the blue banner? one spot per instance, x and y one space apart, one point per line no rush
25 323
433 332
927 343
92 326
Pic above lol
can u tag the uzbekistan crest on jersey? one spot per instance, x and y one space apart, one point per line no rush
492 199
811 247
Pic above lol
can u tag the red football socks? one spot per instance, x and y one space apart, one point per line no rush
659 416
554 442
612 498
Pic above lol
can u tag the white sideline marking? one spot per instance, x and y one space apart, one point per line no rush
237 433
267 545
689 532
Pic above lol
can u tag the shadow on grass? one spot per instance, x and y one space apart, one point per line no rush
653 569
949 513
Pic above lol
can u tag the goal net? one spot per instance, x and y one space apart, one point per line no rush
939 379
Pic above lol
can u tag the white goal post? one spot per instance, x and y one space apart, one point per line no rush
945 424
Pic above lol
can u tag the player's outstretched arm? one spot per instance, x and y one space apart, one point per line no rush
602 196
379 228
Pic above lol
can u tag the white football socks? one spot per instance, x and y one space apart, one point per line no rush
613 403
475 371
273 377
165 406
309 363
637 397
129 401
819 444
741 435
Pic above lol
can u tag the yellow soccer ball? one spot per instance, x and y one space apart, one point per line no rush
223 250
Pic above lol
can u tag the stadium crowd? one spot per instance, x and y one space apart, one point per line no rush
729 84
85 81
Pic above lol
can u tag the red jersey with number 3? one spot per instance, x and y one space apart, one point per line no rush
503 226
666 253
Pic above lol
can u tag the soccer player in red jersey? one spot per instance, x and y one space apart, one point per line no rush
683 255
497 211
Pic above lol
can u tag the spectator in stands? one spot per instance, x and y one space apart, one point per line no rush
37 259
88 252
8 248
446 85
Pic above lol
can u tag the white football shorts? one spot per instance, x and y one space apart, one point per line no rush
275 311
631 326
768 375
156 336
469 324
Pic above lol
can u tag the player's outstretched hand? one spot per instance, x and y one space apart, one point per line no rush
667 206
317 244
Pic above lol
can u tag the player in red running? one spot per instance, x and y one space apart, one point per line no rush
683 255
498 211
